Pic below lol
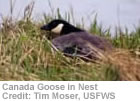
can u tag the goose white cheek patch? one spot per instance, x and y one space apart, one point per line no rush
58 28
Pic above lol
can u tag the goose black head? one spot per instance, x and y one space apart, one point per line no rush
60 27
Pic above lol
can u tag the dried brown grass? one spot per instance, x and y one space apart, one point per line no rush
127 64
124 61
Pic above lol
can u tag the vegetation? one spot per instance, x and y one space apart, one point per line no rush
25 54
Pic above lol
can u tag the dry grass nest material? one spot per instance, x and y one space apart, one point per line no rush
125 62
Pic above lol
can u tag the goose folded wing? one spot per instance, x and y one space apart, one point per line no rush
74 45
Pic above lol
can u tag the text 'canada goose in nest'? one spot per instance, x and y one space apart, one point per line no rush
73 41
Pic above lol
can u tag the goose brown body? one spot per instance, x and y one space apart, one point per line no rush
76 42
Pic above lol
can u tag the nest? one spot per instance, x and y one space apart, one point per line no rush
123 60
127 64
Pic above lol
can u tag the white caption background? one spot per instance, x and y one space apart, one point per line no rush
84 91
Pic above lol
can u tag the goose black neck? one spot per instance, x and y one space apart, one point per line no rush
69 29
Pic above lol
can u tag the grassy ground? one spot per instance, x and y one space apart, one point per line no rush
25 54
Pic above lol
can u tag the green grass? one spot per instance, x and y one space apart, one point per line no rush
26 55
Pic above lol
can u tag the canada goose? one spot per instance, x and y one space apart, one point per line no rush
74 41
